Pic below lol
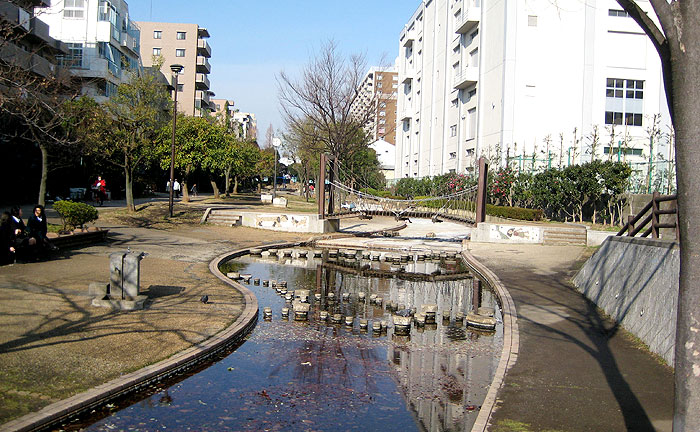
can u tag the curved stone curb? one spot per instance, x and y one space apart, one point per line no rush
511 340
82 402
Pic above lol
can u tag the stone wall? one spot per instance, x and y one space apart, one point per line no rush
635 281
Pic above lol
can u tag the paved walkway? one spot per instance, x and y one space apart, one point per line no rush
576 370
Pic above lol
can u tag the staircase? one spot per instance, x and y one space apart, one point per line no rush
224 217
565 235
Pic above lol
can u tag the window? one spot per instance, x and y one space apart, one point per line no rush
180 88
74 9
624 101
379 85
474 58
156 51
532 20
157 34
382 113
453 130
471 93
179 52
181 35
473 35
617 13
453 155
75 58
454 103
471 114
382 121
625 151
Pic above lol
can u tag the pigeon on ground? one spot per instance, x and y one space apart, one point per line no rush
204 299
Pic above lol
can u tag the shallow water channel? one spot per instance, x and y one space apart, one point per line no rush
317 375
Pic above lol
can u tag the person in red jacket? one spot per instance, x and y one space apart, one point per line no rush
99 189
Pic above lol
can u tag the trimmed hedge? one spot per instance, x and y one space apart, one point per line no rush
518 213
75 214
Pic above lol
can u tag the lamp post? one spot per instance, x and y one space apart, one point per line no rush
176 69
276 142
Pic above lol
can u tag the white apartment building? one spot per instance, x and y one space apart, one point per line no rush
377 96
102 40
247 124
506 79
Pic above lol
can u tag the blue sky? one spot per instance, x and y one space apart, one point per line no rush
252 41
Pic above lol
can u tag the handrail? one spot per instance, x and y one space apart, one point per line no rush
651 213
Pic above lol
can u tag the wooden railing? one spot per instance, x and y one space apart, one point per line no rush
651 221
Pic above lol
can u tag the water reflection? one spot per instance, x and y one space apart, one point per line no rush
316 375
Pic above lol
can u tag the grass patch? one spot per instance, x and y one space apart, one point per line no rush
512 426
154 215
13 405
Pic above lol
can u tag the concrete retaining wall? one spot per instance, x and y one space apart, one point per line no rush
635 281
290 222
507 233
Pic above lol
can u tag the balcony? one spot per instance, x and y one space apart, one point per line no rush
90 66
14 55
106 32
409 73
203 48
131 38
466 77
202 95
203 65
130 43
201 81
468 19
408 38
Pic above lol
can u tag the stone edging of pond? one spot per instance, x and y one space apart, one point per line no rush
73 406
511 339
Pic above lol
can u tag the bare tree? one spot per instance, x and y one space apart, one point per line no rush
324 101
269 134
593 142
678 43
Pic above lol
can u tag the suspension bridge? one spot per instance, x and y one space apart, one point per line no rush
340 200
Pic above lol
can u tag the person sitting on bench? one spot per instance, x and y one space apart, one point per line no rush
37 229
23 243
7 245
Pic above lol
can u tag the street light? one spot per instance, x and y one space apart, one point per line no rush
276 142
176 68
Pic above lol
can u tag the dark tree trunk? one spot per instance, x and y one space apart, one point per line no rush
128 185
214 187
44 173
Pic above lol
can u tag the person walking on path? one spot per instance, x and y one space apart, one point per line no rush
176 188
194 189
99 190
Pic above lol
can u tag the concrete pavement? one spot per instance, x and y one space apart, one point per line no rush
576 370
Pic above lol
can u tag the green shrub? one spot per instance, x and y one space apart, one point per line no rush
518 213
75 214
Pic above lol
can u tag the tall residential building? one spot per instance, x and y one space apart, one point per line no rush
26 42
102 40
184 44
377 93
509 79
248 126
